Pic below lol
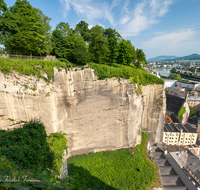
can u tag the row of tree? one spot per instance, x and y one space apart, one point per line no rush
25 30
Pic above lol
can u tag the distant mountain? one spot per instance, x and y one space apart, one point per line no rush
194 56
161 58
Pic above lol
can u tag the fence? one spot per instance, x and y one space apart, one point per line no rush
48 57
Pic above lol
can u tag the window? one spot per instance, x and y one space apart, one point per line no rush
165 137
193 139
181 138
175 141
192 142
181 141
165 140
186 139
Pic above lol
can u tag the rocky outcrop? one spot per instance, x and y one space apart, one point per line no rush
96 114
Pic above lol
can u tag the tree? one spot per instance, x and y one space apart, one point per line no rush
192 112
99 45
126 52
113 38
46 46
23 29
141 57
174 76
84 31
69 45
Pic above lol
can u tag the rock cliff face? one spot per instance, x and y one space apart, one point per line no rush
96 114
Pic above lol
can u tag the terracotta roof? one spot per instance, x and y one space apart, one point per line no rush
181 92
168 119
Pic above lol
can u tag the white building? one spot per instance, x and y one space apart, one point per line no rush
179 134
169 83
186 84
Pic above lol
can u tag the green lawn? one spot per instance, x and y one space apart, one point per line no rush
121 169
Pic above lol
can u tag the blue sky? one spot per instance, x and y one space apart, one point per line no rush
159 27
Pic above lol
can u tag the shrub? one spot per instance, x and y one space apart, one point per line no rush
180 114
192 112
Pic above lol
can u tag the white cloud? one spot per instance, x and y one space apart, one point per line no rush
90 26
171 40
91 11
124 20
114 4
145 15
131 20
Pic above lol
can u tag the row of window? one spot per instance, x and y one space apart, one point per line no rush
181 138
181 141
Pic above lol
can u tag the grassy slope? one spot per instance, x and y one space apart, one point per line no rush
35 67
115 170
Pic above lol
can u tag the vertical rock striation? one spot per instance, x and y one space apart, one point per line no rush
96 114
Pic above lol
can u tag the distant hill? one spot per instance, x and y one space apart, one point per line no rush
194 56
161 58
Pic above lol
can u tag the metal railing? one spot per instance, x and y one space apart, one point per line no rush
48 57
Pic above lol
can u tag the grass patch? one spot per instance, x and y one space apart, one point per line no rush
33 67
121 169
136 75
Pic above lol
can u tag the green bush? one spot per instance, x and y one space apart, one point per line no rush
182 111
27 151
192 112
27 147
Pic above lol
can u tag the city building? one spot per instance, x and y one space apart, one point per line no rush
194 102
180 94
179 134
169 83
174 89
186 84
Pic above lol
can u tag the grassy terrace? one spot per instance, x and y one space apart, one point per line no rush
121 169
35 67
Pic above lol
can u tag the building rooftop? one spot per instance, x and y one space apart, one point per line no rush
193 98
175 89
176 127
174 104
193 164
175 118
186 82
168 119
169 80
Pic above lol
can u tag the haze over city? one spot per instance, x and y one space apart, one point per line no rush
159 27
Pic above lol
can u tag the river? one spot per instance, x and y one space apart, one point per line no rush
165 72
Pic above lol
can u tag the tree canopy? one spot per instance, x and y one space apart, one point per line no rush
174 76
26 30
